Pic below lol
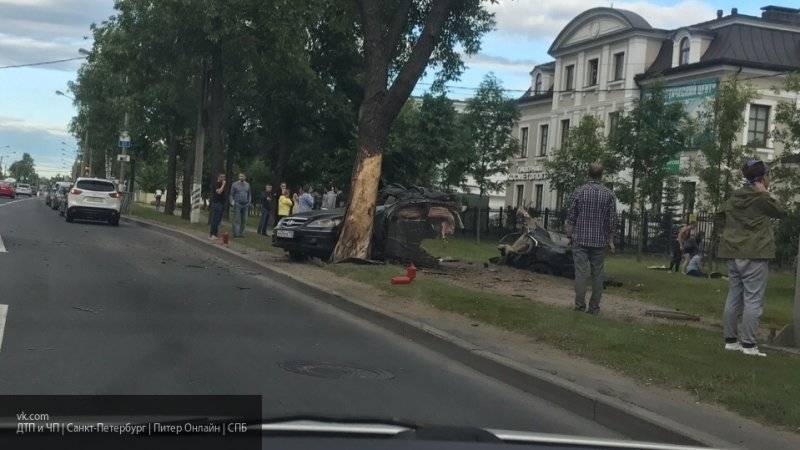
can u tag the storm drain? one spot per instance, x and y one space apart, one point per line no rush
335 371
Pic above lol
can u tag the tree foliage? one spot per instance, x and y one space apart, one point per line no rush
586 144
723 154
24 169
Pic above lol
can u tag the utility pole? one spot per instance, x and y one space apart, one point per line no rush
124 152
87 152
199 150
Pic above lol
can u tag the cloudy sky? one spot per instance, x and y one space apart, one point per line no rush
34 120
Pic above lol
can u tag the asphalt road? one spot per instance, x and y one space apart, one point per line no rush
95 309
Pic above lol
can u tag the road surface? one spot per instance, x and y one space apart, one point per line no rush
94 309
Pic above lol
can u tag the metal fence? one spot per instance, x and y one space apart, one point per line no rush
658 230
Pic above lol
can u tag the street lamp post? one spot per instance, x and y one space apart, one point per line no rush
86 164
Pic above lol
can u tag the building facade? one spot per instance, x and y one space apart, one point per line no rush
603 60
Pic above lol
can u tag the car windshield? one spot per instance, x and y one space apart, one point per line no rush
561 217
95 185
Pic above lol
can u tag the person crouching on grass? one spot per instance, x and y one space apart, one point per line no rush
748 244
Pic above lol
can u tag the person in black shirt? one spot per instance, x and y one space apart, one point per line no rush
266 209
217 205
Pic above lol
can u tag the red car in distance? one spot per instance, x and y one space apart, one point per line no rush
7 189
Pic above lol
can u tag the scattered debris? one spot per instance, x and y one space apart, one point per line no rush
674 315
242 288
195 266
81 308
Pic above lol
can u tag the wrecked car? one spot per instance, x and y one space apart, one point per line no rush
538 250
403 219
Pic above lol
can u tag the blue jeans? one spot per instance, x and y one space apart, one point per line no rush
588 264
239 218
262 222
216 217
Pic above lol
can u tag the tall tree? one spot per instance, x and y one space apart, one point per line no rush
652 134
490 117
585 144
399 39
24 169
720 124
426 143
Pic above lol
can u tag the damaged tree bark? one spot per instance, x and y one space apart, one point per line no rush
379 109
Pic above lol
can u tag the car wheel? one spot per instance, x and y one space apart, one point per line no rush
297 256
69 217
114 222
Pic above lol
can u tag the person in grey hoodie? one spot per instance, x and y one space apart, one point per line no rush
240 199
748 244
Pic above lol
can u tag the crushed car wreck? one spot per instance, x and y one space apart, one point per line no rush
403 219
538 250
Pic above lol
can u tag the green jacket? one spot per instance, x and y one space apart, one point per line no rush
747 231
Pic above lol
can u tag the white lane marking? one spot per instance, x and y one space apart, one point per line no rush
3 314
2 247
15 201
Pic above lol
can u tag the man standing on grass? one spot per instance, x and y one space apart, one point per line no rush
266 209
240 198
591 222
217 206
748 244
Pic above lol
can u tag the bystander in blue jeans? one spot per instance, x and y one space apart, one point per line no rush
588 264
239 218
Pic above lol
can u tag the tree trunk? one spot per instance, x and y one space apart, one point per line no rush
478 221
355 240
216 113
280 158
642 229
186 185
229 175
172 169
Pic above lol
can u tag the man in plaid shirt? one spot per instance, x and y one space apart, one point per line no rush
591 221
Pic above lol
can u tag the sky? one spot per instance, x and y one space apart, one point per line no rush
35 120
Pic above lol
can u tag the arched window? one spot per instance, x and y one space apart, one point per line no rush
683 57
537 85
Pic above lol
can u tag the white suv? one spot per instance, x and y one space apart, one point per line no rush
24 189
93 199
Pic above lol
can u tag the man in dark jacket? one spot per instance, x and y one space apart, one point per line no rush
748 243
266 209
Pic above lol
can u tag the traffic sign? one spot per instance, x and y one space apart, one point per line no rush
124 140
126 158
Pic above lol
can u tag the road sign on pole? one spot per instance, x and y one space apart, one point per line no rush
124 140
124 158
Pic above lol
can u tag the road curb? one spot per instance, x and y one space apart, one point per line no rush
631 420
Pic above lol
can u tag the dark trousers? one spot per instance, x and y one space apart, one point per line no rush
677 257
263 221
216 217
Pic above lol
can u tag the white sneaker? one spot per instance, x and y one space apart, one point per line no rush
734 346
752 351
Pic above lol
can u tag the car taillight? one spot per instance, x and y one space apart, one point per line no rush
114 194
75 191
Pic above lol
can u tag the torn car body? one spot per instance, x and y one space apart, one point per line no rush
403 219
538 250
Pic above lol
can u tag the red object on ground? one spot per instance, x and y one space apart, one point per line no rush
225 238
411 271
401 280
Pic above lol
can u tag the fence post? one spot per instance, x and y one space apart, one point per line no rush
500 224
546 214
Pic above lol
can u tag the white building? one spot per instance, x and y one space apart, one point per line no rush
603 58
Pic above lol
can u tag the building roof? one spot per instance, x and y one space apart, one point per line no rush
529 96
546 67
741 45
633 20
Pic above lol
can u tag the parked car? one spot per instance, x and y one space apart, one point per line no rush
60 195
93 199
404 218
24 189
7 189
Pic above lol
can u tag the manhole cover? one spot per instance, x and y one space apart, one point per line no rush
335 371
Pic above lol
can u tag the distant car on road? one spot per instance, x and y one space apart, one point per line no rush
93 199
24 189
7 189
60 194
